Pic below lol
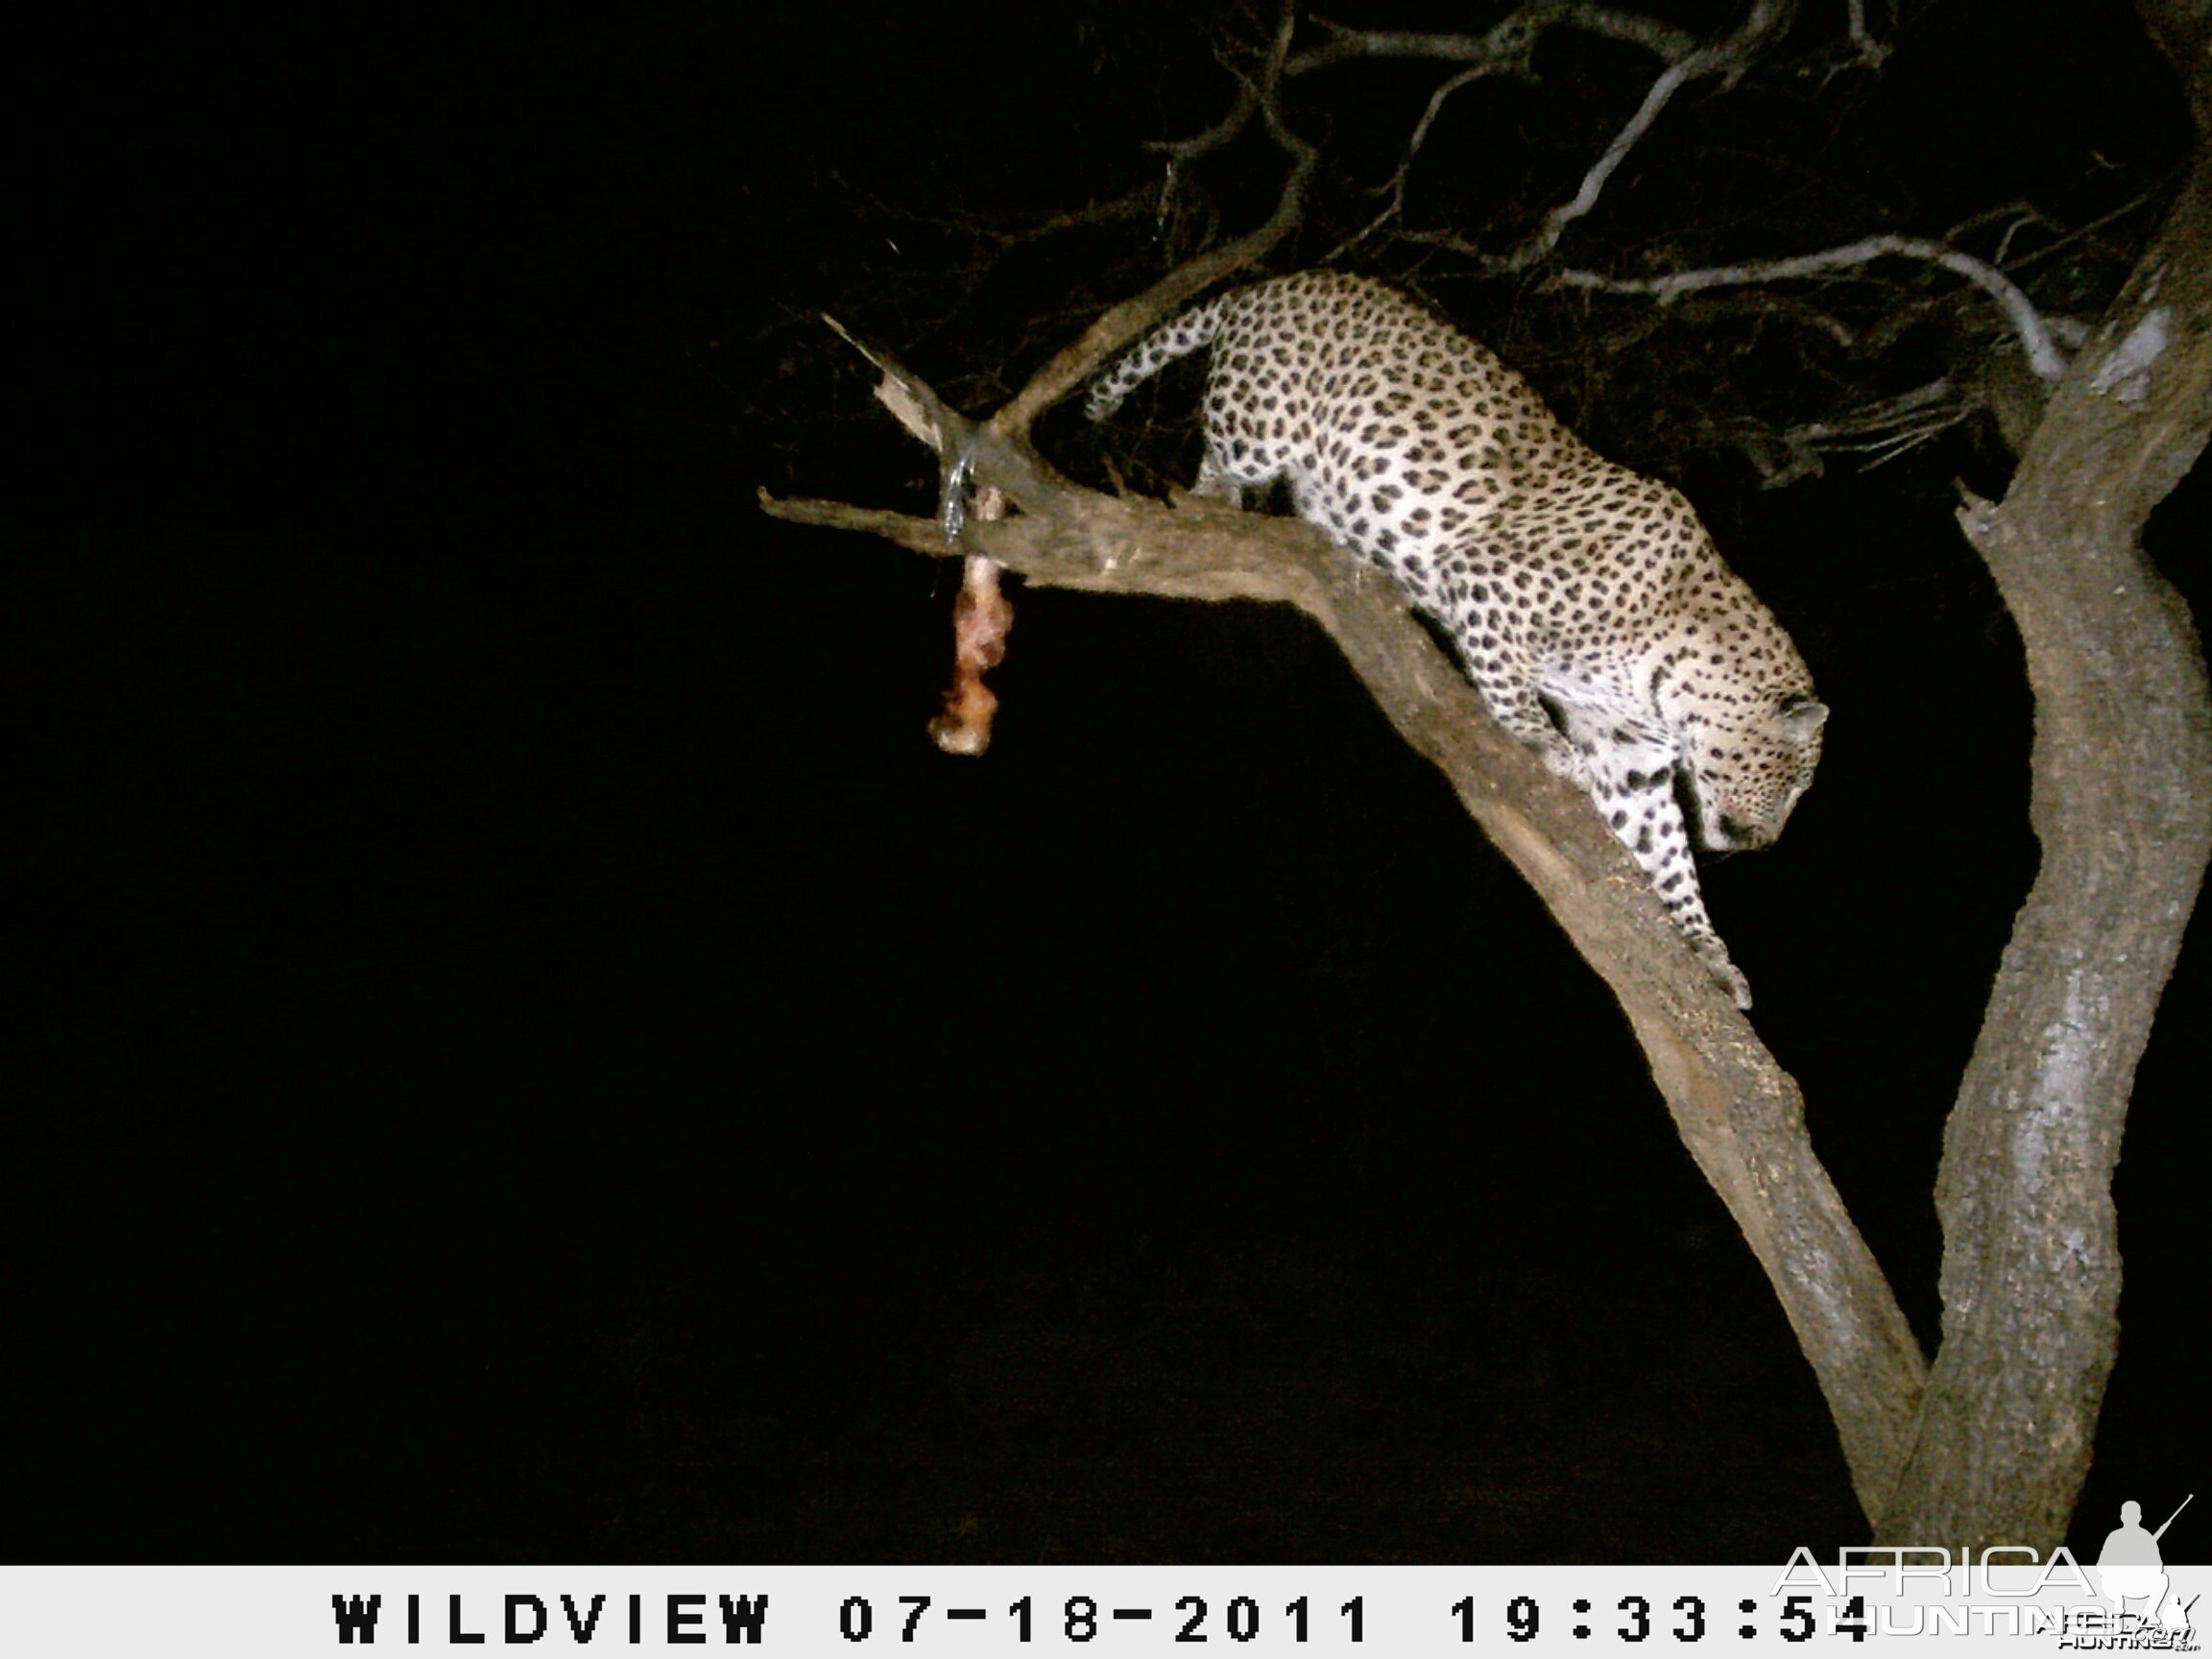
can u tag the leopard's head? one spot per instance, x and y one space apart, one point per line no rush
1750 765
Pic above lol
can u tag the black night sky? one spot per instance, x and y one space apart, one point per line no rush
528 1052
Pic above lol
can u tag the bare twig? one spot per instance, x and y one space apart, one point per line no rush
1182 152
1871 52
2044 355
1395 187
1787 306
1728 58
1069 367
1882 416
1505 49
2089 232
1889 429
1001 239
1252 96
1509 40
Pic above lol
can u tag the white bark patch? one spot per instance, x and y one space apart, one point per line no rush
2126 372
2066 1062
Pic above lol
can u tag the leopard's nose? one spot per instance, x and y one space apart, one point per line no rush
1742 837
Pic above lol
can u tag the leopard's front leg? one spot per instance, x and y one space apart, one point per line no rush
1632 781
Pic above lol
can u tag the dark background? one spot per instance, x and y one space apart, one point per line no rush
528 1052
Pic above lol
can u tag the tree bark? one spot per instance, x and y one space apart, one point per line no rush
1992 1446
1740 1113
2122 806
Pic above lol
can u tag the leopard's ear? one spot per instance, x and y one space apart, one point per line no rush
1804 716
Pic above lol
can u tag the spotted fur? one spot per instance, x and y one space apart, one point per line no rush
1587 602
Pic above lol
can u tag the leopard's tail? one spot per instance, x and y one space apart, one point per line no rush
1186 334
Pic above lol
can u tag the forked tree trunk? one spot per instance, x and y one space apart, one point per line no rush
2122 805
1994 1449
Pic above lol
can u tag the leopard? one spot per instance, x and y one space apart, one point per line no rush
1585 600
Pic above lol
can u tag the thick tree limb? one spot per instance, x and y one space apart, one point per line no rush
1741 1116
981 622
1991 1447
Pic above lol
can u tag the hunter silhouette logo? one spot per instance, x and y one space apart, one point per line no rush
2131 1570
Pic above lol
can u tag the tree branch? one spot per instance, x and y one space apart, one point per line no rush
1731 57
1992 1444
1119 324
1871 52
1395 187
1741 1116
2182 32
1509 40
2122 806
1508 47
1889 427
2044 355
